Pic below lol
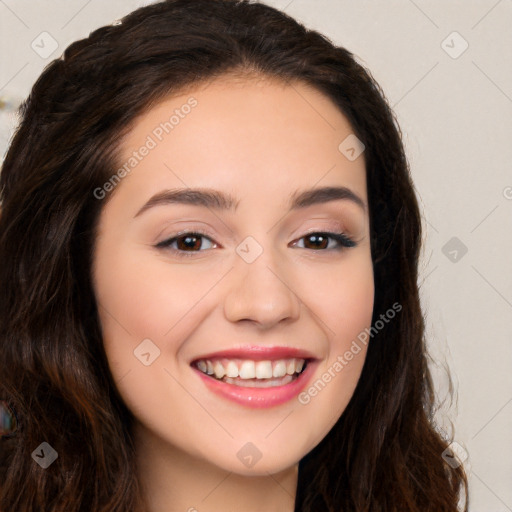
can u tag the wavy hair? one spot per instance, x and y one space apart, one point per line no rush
384 453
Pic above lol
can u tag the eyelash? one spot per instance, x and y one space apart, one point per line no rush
343 240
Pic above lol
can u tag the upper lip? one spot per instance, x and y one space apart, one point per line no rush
259 353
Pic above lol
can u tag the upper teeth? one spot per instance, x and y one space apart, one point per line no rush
246 369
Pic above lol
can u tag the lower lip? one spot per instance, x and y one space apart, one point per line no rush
259 398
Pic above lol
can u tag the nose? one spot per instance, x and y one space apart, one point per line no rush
261 292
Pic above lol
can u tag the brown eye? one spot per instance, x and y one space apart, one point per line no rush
316 241
321 240
186 243
189 242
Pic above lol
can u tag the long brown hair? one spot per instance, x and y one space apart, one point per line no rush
383 454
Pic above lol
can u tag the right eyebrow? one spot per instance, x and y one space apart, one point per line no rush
208 198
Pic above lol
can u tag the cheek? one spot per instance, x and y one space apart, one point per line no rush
144 297
342 297
354 307
140 299
344 306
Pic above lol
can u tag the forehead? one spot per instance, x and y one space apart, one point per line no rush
256 131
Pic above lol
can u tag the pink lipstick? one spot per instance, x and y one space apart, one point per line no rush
255 376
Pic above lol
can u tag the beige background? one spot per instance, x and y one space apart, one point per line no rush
455 110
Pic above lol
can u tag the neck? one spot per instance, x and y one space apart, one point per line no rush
175 481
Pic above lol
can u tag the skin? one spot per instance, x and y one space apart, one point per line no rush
259 140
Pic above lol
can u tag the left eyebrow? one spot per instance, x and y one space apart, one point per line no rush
217 200
313 196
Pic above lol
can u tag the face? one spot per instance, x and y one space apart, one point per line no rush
233 273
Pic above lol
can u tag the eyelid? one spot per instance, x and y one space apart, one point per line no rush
330 225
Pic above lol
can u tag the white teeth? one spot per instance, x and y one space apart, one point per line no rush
264 370
266 383
279 369
247 370
227 369
219 370
232 369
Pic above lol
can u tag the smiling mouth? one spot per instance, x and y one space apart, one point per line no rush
252 374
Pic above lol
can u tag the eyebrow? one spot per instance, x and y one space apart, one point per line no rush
218 200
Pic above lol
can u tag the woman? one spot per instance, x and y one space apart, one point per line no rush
209 245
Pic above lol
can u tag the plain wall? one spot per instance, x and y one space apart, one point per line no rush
454 105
